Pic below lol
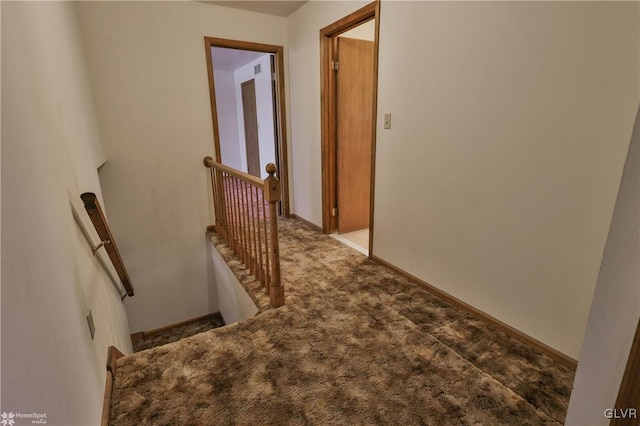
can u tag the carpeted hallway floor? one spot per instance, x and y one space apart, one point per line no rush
354 344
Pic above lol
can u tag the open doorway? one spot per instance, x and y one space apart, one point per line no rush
349 80
246 86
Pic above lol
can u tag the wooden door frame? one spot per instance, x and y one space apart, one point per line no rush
328 108
629 393
281 122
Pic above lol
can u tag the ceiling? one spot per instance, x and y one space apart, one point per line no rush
277 8
232 59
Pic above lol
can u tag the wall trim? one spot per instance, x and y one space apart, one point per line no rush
144 334
554 354
113 355
307 222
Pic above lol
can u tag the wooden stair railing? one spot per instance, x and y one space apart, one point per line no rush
241 215
92 206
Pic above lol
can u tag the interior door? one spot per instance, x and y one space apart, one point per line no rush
354 123
250 115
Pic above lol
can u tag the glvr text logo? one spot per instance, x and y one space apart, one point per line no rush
621 413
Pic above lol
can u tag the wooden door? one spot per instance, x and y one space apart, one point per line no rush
250 114
354 124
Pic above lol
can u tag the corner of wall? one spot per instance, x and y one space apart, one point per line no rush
615 310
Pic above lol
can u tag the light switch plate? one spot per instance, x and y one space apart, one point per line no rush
387 121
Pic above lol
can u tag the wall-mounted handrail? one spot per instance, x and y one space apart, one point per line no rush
99 221
240 206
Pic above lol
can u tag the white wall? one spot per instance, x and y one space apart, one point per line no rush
366 31
227 119
510 127
616 305
264 110
304 94
235 304
148 71
50 151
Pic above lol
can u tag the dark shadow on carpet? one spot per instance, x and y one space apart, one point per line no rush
177 333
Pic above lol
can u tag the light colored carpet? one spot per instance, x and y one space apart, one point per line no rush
354 344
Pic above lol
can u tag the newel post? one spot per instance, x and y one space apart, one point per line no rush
208 163
272 195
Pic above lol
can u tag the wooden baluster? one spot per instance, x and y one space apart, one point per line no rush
216 207
243 254
245 207
261 275
234 215
241 245
234 200
254 260
252 230
237 188
221 205
272 195
247 219
267 255
227 206
229 213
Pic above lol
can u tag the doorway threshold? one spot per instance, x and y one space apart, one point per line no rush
357 240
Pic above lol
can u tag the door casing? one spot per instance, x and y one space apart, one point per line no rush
281 122
328 50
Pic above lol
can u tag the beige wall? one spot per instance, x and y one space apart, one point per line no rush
148 71
366 31
50 153
510 127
